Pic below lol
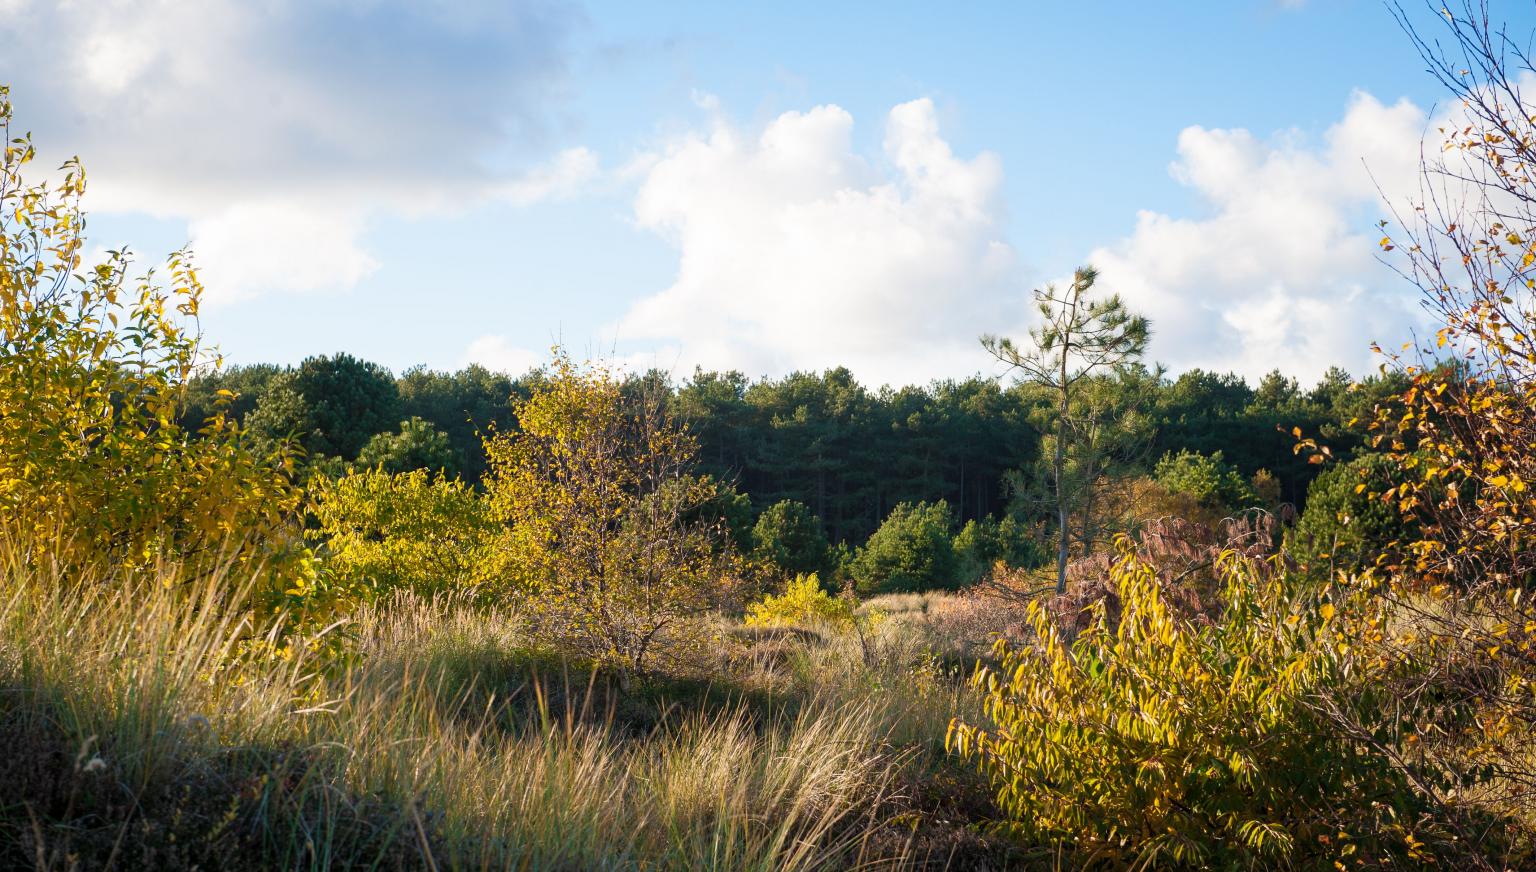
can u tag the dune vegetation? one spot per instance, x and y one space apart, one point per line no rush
584 619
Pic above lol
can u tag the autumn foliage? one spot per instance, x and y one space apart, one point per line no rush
611 541
93 367
1150 739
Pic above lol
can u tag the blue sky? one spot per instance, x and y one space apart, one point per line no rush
764 187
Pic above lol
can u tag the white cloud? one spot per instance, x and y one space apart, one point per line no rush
255 246
796 252
562 178
1283 271
292 120
497 354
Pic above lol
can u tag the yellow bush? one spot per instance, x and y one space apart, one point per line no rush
612 536
416 530
93 367
1158 740
803 602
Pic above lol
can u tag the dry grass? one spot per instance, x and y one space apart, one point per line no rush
136 735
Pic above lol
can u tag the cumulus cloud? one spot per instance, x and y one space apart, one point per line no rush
1282 271
279 125
253 246
797 252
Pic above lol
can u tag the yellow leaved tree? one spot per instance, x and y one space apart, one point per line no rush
611 533
93 367
1462 437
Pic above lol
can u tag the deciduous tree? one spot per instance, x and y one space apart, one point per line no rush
610 535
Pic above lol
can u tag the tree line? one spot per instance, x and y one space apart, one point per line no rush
849 453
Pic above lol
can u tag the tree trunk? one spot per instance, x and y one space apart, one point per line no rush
1065 531
1064 539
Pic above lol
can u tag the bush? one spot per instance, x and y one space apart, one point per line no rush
615 542
911 551
804 602
1207 479
1346 525
981 544
414 530
1160 741
788 538
93 371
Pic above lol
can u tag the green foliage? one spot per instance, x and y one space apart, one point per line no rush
789 538
1154 741
1207 479
732 510
912 551
850 453
331 405
1277 392
232 391
465 405
416 530
1208 412
1106 448
981 544
1080 343
805 602
1347 525
418 445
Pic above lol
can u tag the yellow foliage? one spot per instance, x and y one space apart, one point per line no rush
417 530
803 602
93 367
611 539
1155 740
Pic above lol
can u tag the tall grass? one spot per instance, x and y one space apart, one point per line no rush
137 729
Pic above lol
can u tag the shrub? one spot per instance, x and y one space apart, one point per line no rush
804 602
611 534
981 544
911 551
1346 525
788 538
413 530
93 370
1158 741
1205 478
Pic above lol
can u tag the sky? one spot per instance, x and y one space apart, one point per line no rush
760 187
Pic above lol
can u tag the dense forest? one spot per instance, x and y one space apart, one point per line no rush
849 453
